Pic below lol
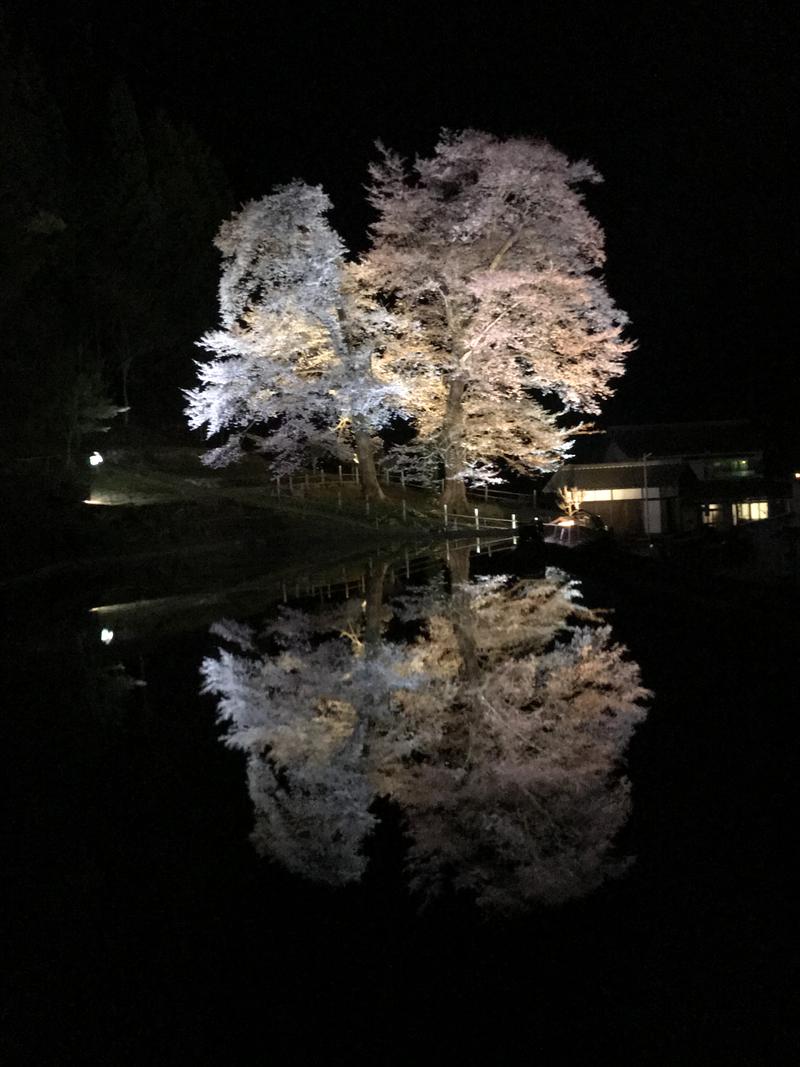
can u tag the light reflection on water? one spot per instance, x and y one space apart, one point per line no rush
493 711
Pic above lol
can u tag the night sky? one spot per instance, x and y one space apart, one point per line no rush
685 109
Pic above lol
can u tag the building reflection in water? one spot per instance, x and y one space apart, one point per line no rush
493 712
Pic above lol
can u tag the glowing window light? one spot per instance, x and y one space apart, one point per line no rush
106 636
95 459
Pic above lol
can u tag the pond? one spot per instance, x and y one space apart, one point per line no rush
400 807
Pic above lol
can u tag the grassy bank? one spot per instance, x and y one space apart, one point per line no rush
151 516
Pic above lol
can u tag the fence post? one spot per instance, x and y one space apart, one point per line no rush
340 473
283 589
404 511
357 478
478 544
408 564
386 476
322 475
485 494
339 500
513 521
444 508
278 480
477 520
366 507
403 480
535 503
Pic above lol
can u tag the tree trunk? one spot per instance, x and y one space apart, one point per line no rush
368 473
455 493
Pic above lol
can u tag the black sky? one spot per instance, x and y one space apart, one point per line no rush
687 110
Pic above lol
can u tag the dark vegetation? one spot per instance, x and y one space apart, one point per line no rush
107 270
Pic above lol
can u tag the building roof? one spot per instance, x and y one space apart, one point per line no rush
617 476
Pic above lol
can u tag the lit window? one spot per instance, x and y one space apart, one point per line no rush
712 514
750 510
729 468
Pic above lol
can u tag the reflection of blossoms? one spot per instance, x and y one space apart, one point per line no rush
497 725
302 713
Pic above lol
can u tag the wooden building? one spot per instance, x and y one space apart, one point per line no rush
673 478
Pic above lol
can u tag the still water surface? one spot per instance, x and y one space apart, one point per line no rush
493 711
427 787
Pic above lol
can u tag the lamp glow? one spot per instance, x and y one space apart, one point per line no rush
95 459
106 636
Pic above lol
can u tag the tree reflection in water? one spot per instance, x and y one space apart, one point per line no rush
495 713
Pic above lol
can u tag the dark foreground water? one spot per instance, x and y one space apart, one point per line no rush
425 811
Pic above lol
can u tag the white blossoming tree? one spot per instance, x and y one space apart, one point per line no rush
490 247
291 362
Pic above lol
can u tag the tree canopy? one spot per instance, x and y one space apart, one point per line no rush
479 314
292 359
491 245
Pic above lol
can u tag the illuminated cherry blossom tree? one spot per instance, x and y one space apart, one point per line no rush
490 247
291 363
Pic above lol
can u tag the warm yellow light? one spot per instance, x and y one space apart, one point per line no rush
797 475
568 522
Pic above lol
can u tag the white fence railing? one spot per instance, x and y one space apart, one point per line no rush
343 475
476 521
451 521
